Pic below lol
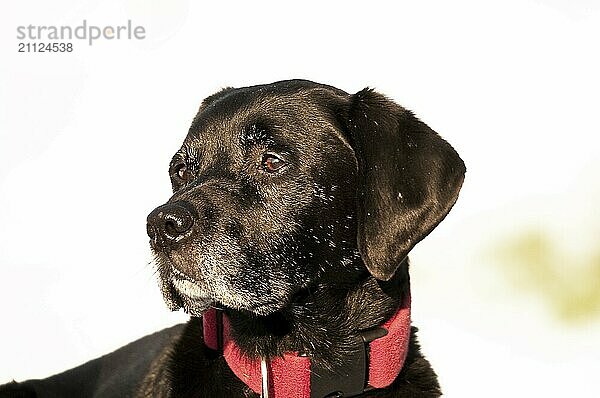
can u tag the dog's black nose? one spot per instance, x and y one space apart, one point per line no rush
169 223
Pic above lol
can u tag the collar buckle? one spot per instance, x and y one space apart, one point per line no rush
349 378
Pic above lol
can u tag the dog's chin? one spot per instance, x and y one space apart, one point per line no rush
195 307
191 305
180 292
194 302
189 296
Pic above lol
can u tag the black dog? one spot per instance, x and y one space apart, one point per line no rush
295 206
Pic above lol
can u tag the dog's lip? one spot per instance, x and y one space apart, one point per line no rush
186 286
190 289
180 275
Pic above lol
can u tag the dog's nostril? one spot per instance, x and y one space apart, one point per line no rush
171 228
178 222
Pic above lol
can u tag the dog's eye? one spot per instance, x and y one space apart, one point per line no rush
271 163
182 172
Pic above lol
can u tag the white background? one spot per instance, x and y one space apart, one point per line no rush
86 137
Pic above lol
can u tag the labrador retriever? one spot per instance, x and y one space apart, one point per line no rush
294 207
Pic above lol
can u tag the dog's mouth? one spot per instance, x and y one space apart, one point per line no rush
191 302
189 294
189 288
181 290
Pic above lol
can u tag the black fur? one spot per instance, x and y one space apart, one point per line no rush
302 257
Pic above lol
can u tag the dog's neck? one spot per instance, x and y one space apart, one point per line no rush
324 320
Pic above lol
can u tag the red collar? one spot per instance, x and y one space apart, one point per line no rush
381 354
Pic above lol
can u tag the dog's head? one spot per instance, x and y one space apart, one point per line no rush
277 185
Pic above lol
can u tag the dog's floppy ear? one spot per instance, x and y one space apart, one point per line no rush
408 178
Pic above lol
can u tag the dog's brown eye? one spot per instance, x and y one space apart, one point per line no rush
183 173
271 163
